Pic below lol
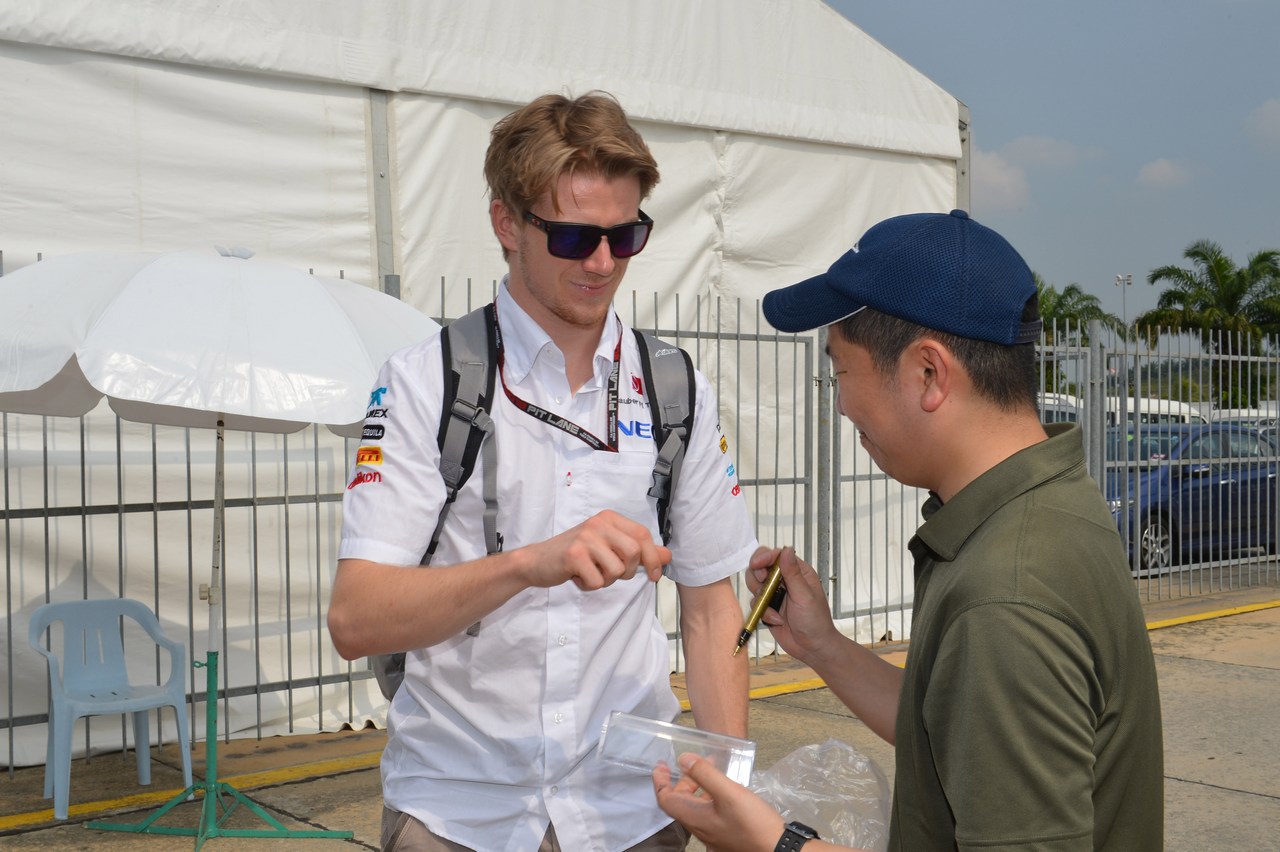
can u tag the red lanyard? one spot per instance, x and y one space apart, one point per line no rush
562 423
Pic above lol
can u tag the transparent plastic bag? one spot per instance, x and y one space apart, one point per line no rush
834 789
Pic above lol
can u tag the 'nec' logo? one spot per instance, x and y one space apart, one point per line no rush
636 428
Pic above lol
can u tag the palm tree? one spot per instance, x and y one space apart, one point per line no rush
1217 299
1066 314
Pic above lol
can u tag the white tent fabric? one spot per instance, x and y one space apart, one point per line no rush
791 68
782 131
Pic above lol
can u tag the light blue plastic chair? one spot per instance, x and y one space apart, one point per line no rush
92 680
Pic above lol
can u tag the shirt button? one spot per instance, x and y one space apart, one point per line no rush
555 790
562 639
559 717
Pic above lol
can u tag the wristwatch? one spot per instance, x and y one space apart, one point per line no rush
795 835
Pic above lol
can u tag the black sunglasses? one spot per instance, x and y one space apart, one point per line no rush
573 241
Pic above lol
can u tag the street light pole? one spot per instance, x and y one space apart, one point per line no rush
1123 282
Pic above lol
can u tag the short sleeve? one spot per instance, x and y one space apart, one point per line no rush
394 490
712 536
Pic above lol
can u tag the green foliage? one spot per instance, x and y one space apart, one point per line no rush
1217 300
1066 313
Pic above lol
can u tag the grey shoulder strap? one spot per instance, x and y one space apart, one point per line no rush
668 376
469 352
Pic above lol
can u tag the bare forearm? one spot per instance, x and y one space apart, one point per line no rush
864 681
381 609
710 622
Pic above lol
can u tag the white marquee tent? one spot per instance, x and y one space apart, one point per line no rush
349 137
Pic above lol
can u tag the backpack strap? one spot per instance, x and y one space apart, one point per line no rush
669 380
469 352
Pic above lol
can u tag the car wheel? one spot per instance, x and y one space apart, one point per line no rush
1155 545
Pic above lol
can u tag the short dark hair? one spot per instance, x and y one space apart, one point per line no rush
1004 375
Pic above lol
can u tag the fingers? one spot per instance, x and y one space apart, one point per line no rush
608 547
758 567
798 574
702 773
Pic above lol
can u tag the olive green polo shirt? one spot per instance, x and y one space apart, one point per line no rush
1029 716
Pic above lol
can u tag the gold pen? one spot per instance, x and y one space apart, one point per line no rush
771 595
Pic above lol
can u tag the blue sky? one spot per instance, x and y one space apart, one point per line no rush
1107 136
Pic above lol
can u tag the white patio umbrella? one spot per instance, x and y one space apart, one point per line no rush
204 339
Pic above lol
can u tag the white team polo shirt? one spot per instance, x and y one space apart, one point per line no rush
492 736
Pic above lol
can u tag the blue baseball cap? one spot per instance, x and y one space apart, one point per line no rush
943 271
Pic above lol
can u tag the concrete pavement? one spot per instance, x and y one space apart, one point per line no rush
1219 665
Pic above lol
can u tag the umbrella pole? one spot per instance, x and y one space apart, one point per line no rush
218 795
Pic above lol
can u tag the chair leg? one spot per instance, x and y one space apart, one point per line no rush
49 765
64 727
184 743
142 745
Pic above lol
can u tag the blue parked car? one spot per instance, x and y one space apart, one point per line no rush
1191 491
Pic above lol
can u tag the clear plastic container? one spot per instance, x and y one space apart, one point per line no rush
641 744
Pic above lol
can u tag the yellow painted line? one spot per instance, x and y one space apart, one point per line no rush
335 766
1206 616
246 781
787 688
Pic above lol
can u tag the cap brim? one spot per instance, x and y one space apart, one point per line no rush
812 303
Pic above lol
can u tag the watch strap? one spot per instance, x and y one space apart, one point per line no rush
795 835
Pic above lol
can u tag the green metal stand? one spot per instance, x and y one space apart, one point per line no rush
218 795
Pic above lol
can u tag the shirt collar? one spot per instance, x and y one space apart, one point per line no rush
949 525
525 343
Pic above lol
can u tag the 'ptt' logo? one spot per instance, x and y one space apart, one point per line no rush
375 398
365 476
369 455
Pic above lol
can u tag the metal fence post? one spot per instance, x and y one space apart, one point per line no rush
825 463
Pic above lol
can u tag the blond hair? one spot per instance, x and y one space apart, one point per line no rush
532 147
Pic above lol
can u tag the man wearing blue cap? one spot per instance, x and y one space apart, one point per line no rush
1028 715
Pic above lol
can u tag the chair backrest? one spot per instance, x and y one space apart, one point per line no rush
92 638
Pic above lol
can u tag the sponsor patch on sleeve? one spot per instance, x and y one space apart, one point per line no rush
363 476
368 455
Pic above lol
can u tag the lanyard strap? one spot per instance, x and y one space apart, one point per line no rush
553 419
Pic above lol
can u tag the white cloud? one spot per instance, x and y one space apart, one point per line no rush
1263 125
997 183
1164 173
1032 151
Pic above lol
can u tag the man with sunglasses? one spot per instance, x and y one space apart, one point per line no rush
522 655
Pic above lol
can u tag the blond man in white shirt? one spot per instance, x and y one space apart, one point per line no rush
492 736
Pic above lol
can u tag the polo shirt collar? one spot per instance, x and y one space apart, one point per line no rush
949 525
525 342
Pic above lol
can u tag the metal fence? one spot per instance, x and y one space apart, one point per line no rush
97 507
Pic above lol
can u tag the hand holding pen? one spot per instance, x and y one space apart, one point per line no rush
771 595
806 627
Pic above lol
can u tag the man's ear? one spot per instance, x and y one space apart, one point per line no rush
937 373
505 226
